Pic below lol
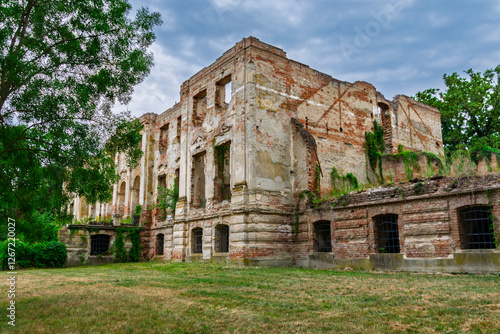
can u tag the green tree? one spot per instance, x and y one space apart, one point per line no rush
470 110
63 65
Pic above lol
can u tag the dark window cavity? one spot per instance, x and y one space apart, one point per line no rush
387 234
476 228
197 240
222 239
322 236
99 244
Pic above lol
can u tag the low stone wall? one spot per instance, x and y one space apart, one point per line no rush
428 223
78 243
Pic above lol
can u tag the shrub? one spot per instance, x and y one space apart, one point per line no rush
41 255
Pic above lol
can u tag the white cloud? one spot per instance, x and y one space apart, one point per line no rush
437 20
160 90
293 12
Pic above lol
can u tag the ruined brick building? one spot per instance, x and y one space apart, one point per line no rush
250 134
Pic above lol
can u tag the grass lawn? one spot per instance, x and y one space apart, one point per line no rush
206 298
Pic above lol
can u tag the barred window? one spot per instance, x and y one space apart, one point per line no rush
222 239
197 240
322 236
99 244
387 233
160 244
476 228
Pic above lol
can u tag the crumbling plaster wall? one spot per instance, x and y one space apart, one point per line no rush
283 120
336 113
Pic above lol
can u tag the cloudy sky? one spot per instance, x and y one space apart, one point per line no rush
400 46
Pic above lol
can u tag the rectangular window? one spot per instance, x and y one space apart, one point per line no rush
223 172
179 127
162 181
223 92
160 244
199 107
476 228
164 138
197 240
221 239
198 198
387 233
322 236
99 244
161 194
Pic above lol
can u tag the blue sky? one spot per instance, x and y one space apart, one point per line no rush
400 46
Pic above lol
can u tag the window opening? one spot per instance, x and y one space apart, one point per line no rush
198 199
99 244
160 238
223 92
386 228
179 127
223 172
222 239
199 107
164 138
121 199
476 228
197 242
322 237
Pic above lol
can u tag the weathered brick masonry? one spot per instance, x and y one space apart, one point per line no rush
283 127
428 220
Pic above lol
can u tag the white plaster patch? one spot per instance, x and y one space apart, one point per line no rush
314 103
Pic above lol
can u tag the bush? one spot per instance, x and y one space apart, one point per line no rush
41 255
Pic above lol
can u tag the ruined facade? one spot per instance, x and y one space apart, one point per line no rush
251 133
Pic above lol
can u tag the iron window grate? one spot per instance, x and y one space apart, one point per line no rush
388 234
99 244
477 228
197 241
222 239
323 237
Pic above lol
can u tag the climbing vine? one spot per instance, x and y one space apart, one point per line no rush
317 180
120 253
374 147
135 252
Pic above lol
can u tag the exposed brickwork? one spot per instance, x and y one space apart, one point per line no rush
428 221
287 127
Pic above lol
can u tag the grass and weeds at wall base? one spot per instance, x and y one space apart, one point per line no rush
208 298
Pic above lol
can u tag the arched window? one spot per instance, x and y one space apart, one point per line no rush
476 228
160 238
120 205
197 240
221 239
99 244
135 193
322 236
386 233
